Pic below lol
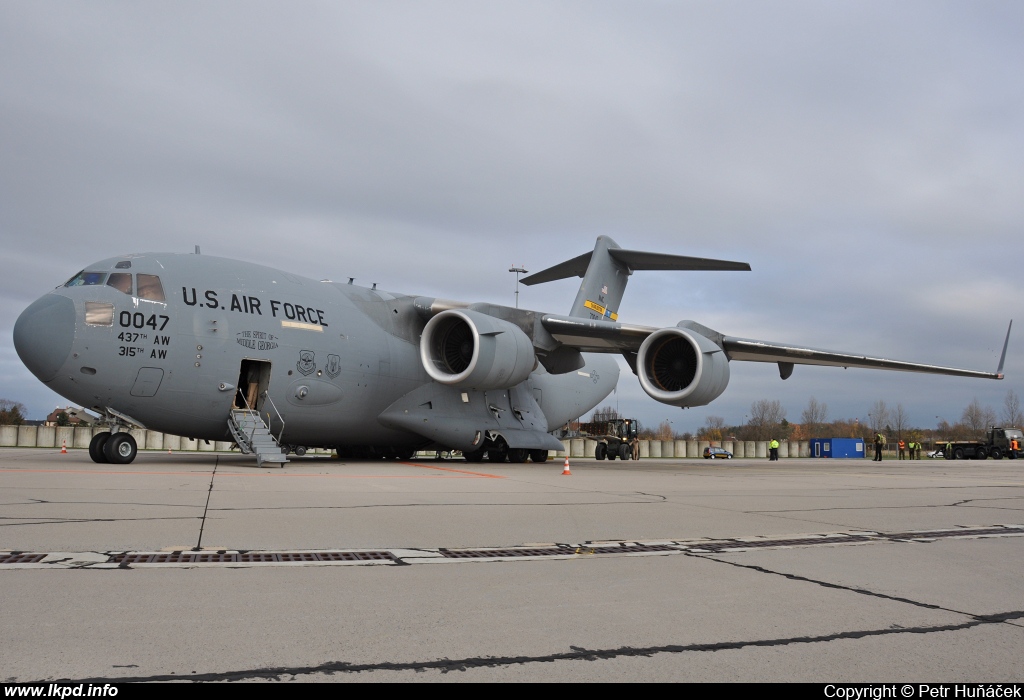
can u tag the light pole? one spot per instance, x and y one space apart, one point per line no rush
518 271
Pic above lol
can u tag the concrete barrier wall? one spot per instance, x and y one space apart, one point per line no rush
80 437
46 436
65 436
83 436
8 436
27 435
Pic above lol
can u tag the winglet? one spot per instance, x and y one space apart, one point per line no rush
1002 358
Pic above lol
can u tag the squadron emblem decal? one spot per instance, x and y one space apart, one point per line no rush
333 367
306 363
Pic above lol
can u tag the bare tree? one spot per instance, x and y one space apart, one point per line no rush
766 418
664 431
976 418
814 417
879 417
900 420
604 413
714 429
1012 416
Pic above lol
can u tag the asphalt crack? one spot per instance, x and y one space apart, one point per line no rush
574 654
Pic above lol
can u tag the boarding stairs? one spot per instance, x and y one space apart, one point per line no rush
253 436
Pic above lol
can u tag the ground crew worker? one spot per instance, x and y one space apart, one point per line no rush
1014 446
948 452
773 455
903 449
635 444
879 441
917 450
911 446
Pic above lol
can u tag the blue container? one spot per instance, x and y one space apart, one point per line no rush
839 448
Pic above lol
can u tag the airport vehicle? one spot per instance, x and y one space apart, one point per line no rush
717 453
995 445
219 349
613 437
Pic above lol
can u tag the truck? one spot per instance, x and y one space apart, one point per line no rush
614 437
995 445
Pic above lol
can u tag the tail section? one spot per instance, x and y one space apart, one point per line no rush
606 270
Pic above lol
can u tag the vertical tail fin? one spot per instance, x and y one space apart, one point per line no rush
607 268
604 283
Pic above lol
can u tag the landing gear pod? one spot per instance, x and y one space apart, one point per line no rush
681 368
466 348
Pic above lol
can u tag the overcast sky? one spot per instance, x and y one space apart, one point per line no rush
866 158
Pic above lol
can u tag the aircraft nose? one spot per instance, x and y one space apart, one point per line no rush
44 333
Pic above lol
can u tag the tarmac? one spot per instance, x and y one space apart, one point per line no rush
203 567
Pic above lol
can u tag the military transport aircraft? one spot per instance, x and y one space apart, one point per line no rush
218 349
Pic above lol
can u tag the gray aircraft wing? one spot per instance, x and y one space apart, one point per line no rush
606 336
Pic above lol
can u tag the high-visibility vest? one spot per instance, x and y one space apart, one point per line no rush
902 444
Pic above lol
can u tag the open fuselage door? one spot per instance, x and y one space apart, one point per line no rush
249 422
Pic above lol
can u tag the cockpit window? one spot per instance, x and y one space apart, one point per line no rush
84 278
121 281
150 287
123 265
98 313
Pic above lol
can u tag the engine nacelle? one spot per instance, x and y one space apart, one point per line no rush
466 348
682 368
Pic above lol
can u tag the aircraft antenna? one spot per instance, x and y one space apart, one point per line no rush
518 271
197 250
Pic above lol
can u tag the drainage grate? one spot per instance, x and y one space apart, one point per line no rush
554 551
960 532
21 558
503 553
129 558
722 545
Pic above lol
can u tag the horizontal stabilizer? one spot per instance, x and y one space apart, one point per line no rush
634 260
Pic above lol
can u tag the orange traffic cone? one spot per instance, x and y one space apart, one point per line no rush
64 447
565 469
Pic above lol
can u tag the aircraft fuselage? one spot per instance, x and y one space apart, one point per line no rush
175 341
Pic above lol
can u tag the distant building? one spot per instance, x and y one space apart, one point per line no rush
76 416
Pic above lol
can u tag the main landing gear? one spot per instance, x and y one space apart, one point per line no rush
113 448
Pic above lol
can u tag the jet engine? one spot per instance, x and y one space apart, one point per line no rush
682 368
466 348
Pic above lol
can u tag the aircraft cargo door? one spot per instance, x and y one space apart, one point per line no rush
253 382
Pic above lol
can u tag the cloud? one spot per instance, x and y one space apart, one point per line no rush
866 158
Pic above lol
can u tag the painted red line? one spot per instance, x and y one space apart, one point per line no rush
457 471
464 475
